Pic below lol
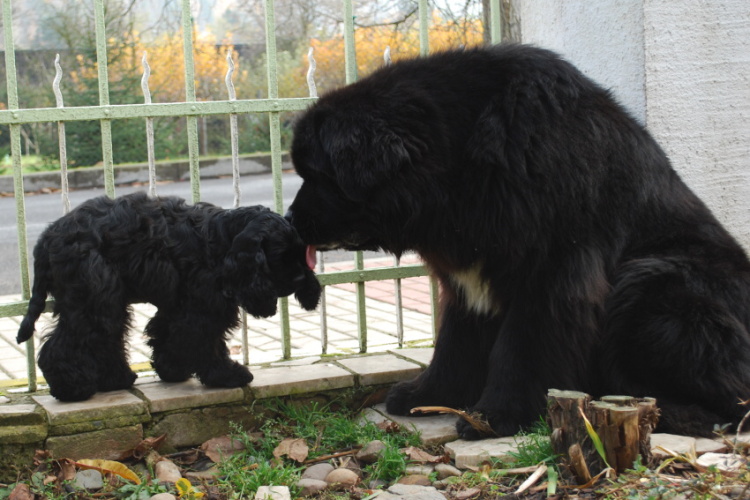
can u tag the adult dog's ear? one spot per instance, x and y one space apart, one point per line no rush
308 294
363 153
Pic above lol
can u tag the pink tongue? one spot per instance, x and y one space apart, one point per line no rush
311 257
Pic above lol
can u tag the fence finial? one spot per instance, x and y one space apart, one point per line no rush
228 78
311 73
145 77
387 55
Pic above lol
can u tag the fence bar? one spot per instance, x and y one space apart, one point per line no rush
106 124
15 149
496 25
192 121
149 127
61 138
424 24
350 52
275 126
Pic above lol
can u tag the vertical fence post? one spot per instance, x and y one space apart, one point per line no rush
106 125
149 128
275 126
350 54
15 151
61 138
192 121
496 25
424 28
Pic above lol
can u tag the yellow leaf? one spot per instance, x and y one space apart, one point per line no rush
185 489
109 466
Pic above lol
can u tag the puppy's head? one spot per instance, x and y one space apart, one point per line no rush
266 261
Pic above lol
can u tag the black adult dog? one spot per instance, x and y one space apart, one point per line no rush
569 252
198 264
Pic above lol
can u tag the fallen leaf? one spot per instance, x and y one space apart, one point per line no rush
296 449
185 489
221 448
21 492
109 467
418 455
140 451
67 470
388 426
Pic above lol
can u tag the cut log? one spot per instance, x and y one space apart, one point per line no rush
622 423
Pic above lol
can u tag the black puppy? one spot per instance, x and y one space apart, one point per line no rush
196 263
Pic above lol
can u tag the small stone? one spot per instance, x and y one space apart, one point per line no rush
446 470
467 494
310 487
415 479
89 479
440 484
167 472
273 493
420 469
4 399
318 471
370 453
342 478
376 484
163 496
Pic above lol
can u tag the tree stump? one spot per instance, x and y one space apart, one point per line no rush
623 424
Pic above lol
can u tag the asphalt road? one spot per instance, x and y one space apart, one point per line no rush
41 209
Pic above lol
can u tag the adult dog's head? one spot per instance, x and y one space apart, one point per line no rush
363 151
266 261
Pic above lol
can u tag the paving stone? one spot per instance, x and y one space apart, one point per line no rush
433 429
381 369
165 396
472 453
285 380
706 445
4 399
726 462
21 414
194 427
108 444
102 406
671 442
446 470
422 355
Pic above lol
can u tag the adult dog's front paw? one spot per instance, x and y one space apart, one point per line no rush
407 395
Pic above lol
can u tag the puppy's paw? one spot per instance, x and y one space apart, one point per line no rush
115 382
229 375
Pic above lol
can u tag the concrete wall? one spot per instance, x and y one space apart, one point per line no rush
682 68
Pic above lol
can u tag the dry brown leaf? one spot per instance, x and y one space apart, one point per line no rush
388 426
479 425
221 448
142 449
67 470
418 455
109 467
21 492
296 449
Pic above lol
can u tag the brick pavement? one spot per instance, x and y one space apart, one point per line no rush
264 334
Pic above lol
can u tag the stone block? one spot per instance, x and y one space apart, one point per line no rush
102 406
194 427
165 396
472 453
381 369
292 380
432 429
421 355
108 444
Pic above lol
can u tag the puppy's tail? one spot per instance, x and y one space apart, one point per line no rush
38 299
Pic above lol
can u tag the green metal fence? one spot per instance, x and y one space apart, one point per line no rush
14 117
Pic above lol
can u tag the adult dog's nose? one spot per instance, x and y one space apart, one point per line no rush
289 216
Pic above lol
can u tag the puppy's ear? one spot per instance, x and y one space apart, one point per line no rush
363 154
308 295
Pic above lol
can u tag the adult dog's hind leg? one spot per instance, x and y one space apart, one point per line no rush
170 357
112 327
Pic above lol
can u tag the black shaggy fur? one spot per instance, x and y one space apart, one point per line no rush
569 252
198 264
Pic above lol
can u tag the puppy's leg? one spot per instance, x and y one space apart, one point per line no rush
171 358
67 362
456 375
215 368
113 370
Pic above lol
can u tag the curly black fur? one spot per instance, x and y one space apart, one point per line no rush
570 254
198 264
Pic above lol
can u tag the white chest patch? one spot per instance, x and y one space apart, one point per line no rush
476 290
